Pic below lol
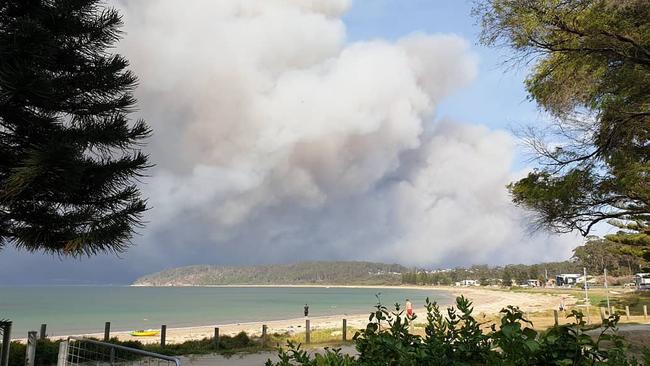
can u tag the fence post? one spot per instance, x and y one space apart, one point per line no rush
307 332
63 354
163 335
627 312
645 312
264 328
613 310
555 316
30 351
216 337
107 331
6 342
602 314
43 329
345 330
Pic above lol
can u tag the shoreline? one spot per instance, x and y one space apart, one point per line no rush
408 287
486 301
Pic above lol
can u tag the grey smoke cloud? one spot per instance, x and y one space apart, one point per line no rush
277 140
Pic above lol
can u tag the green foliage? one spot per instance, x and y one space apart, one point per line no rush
331 357
598 254
456 338
227 344
69 154
330 273
506 277
633 238
46 355
591 73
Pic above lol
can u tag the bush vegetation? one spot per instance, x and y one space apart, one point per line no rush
595 255
331 273
457 338
487 275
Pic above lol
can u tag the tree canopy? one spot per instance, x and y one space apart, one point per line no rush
591 74
69 154
600 254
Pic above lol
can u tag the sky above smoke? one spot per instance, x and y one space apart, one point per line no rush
277 139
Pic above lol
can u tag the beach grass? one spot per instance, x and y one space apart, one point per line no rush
320 337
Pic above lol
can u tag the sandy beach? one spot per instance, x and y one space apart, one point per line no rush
486 301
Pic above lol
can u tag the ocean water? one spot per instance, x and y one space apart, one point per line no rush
84 309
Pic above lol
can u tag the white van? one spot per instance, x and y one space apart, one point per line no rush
642 281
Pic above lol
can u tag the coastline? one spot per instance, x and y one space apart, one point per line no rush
486 302
410 287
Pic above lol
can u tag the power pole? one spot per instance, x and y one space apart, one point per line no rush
584 269
609 309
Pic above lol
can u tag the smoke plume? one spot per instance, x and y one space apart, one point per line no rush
276 140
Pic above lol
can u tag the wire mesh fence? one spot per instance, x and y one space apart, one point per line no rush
86 352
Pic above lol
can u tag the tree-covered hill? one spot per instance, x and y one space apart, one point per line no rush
326 273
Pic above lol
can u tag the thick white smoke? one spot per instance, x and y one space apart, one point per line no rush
276 140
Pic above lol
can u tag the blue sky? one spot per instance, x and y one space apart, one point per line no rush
497 98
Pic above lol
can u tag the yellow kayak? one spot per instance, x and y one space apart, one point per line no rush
145 333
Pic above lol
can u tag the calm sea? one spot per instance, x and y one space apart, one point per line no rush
82 309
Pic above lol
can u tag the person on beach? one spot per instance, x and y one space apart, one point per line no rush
409 308
306 310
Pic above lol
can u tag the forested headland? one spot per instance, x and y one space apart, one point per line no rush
596 255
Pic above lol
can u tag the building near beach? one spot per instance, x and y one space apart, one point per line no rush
567 279
467 283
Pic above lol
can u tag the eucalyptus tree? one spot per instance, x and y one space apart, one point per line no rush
590 71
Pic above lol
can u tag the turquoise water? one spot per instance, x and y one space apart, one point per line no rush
81 309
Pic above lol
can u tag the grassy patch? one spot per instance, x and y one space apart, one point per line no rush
321 337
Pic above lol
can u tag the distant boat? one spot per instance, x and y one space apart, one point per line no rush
145 333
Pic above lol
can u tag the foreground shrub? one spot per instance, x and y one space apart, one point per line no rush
46 355
457 338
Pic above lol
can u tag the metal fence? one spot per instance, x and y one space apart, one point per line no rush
5 341
82 351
